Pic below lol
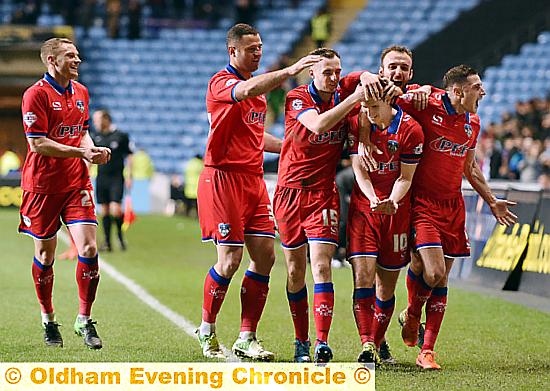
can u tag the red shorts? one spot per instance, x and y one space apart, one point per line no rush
232 205
40 213
441 223
306 215
378 235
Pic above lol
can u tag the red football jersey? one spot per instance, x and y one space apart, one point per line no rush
401 141
447 138
236 138
61 114
309 160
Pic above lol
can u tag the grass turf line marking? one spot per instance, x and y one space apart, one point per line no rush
149 299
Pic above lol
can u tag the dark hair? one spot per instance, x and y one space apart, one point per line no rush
458 75
325 52
236 32
395 48
105 114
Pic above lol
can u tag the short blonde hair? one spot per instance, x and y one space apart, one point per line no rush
51 47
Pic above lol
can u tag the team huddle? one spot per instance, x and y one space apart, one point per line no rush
410 146
402 138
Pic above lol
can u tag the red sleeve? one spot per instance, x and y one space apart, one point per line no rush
34 109
348 83
413 142
222 86
297 103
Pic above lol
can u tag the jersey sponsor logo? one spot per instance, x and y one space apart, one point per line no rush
437 120
70 131
297 104
29 118
441 144
56 106
385 167
80 106
254 117
224 229
330 137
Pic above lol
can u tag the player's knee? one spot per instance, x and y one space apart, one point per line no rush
89 250
296 273
45 258
433 277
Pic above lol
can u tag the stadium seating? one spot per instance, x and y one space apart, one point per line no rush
519 77
155 88
386 22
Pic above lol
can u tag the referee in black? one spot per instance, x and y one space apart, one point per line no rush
111 179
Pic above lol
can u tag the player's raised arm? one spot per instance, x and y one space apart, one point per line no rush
499 207
261 84
321 123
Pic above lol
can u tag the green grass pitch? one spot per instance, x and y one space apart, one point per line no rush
485 343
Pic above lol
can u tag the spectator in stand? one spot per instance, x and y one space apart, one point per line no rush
134 19
113 10
192 172
321 27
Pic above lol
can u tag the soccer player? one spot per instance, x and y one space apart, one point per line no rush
113 177
306 199
233 205
379 217
56 184
451 127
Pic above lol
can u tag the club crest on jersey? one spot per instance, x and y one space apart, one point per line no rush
224 229
29 118
80 106
393 146
468 129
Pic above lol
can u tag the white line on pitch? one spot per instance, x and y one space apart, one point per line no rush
149 299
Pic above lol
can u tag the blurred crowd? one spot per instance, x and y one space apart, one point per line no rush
518 147
133 14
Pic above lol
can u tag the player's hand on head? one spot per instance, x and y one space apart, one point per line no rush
501 212
419 98
303 63
391 91
372 86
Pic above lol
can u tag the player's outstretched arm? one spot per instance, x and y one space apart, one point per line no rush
499 208
420 96
261 84
321 123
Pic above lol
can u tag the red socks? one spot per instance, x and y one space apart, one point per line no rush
383 311
300 315
215 287
323 305
254 290
363 310
435 310
87 279
42 276
418 293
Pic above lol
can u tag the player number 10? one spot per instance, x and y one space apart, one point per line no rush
399 242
